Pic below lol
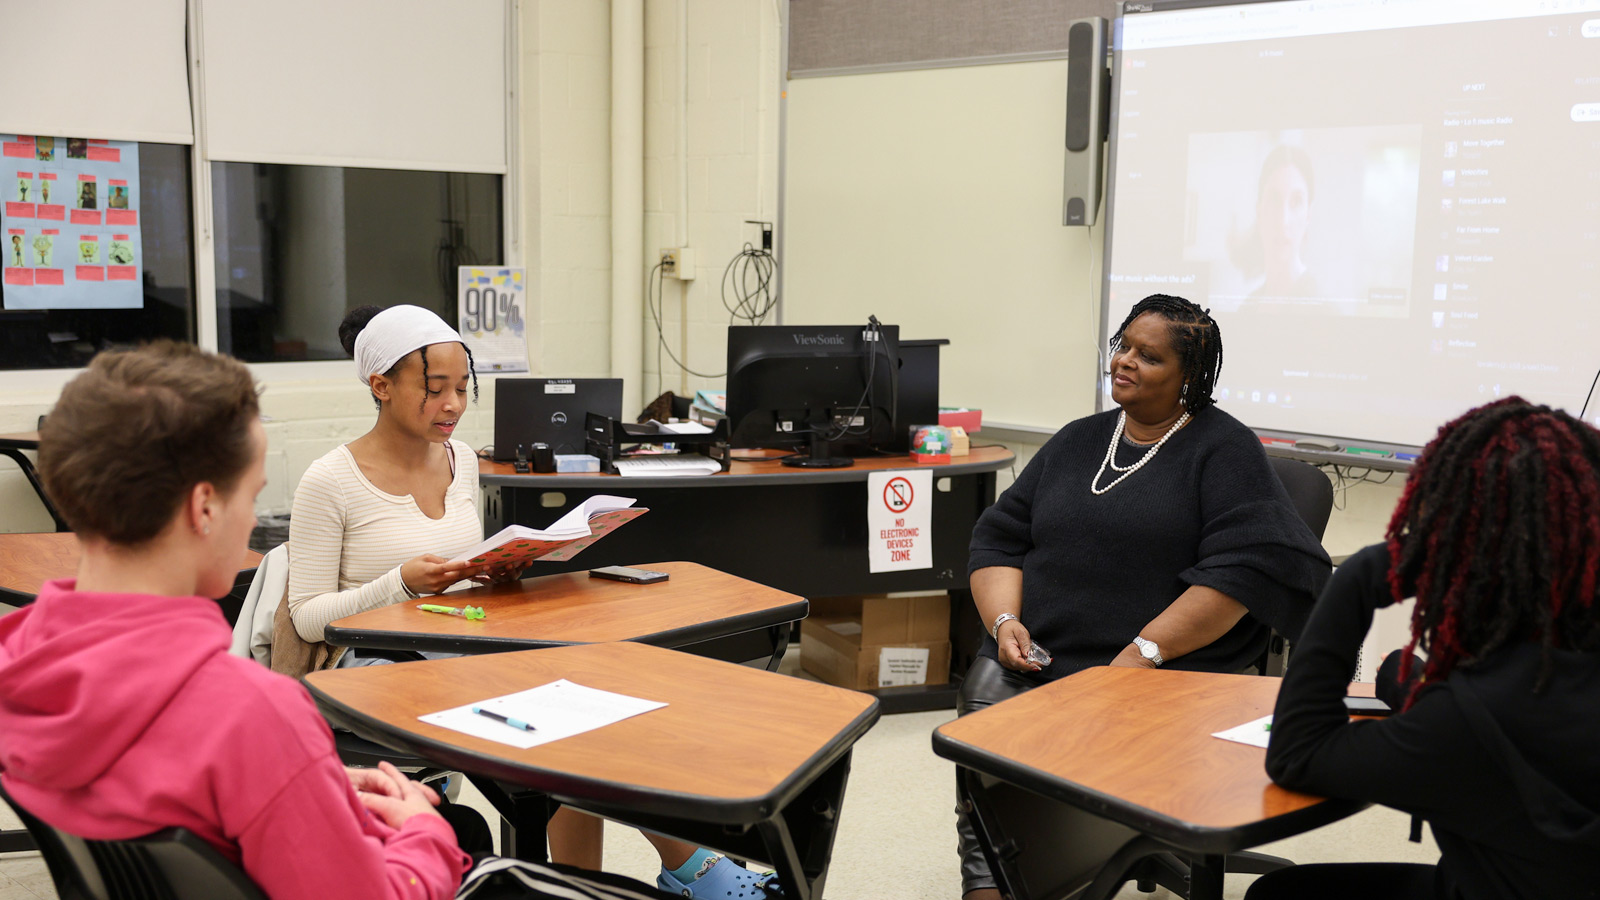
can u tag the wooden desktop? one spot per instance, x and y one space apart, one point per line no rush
1084 776
696 609
27 561
739 760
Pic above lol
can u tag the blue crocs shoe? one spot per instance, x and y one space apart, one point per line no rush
724 880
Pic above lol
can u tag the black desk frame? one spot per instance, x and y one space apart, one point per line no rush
1046 838
767 638
13 448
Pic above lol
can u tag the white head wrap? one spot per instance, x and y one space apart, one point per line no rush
393 333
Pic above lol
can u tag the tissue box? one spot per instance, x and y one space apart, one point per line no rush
577 462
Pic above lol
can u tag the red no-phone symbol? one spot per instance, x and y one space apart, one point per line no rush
897 495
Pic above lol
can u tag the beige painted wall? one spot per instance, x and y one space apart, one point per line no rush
723 98
933 200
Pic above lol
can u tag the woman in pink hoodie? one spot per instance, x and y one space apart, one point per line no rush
121 712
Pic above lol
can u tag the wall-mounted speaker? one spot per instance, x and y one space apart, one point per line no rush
1088 117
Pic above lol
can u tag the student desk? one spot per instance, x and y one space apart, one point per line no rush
12 445
798 530
698 609
1089 774
27 561
740 760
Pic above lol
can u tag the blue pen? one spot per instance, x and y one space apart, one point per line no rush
514 723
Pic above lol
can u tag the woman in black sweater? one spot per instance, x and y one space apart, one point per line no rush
1156 534
1498 538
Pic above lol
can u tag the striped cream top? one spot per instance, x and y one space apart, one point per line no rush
347 539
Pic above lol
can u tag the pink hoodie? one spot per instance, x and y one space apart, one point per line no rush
122 714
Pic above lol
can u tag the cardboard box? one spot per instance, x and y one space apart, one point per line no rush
844 639
891 618
960 444
831 649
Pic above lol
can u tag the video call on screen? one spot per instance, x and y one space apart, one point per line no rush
1392 208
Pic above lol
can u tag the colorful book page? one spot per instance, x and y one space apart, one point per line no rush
527 549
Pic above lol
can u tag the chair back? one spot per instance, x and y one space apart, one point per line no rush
1309 491
252 631
172 864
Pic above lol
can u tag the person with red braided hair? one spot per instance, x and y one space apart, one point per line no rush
1497 536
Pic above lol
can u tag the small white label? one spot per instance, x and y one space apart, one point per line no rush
558 388
845 628
899 666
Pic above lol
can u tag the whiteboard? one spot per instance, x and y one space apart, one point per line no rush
932 199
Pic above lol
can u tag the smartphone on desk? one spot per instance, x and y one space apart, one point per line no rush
1367 706
628 574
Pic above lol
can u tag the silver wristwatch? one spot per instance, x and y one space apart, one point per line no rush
994 630
1148 650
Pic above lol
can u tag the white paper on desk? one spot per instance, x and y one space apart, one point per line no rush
558 709
663 466
680 427
1255 733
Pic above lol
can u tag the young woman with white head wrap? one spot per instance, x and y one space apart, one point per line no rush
376 520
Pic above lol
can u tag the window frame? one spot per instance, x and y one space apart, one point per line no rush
203 247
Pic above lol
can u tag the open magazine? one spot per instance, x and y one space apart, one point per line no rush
585 524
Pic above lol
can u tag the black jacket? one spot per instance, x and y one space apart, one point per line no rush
1508 779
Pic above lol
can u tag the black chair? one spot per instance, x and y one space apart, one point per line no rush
1312 495
1309 490
172 864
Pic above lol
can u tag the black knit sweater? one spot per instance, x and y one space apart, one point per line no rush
1207 510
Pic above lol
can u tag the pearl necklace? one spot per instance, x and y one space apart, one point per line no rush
1111 452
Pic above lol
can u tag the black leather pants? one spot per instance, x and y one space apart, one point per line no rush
986 684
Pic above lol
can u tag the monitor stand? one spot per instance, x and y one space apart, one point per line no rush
818 457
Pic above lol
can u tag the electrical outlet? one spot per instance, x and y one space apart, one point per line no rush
677 262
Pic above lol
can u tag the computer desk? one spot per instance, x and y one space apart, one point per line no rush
12 445
743 761
799 530
1086 776
697 609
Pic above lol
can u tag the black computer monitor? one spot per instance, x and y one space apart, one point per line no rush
549 411
830 389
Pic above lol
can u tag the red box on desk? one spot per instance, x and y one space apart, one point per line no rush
970 419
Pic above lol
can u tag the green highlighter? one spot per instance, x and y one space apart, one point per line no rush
470 612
